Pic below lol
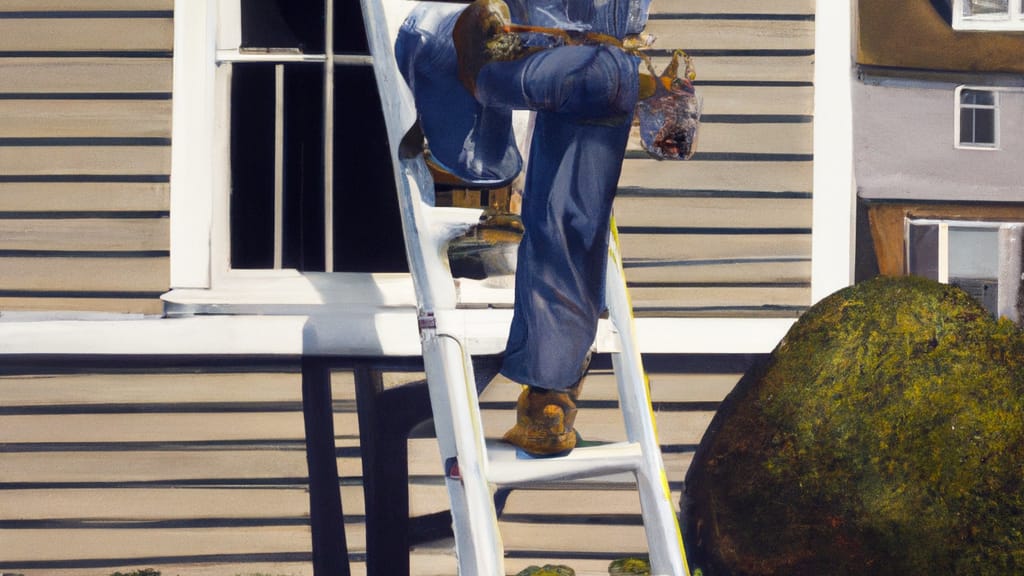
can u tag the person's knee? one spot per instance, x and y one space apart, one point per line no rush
607 85
586 82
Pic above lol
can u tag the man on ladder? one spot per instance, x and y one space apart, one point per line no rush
468 68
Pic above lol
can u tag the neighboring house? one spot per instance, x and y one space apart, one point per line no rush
939 131
171 267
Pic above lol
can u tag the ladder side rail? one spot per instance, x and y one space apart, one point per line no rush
426 230
664 538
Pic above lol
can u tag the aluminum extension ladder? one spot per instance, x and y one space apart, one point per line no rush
475 466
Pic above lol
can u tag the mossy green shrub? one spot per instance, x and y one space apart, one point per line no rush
547 570
630 566
884 435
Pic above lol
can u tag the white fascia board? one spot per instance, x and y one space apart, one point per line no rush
192 134
832 242
384 334
277 291
280 335
369 333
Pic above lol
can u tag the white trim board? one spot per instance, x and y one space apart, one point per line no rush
832 243
380 333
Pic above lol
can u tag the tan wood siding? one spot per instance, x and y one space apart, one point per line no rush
757 100
84 196
778 270
739 68
696 248
141 303
82 5
85 34
728 232
756 34
773 138
84 160
50 75
764 213
200 471
85 154
734 6
716 300
69 274
78 234
126 467
92 118
696 174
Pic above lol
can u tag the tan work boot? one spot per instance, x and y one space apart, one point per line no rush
480 27
544 422
545 418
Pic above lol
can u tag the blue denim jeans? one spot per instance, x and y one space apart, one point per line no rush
584 97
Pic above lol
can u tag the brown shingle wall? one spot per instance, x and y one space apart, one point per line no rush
911 34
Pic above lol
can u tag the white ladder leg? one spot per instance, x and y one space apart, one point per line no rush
461 439
664 538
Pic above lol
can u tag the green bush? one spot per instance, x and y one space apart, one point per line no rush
884 435
630 567
139 572
547 570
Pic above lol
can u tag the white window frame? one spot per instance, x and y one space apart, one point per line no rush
958 107
1012 20
1011 238
206 41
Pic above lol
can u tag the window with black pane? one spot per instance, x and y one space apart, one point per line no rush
311 181
978 118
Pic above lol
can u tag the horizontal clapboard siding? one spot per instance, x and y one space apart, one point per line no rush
96 196
14 6
131 119
170 466
20 234
78 78
198 470
131 35
727 233
85 154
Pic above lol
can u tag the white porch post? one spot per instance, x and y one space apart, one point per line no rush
192 144
832 244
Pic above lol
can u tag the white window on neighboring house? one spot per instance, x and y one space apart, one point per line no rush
977 118
281 171
983 258
988 14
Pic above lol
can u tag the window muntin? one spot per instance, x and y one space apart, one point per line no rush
988 14
977 118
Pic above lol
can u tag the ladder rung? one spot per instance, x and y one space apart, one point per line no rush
505 469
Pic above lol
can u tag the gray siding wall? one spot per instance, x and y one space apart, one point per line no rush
904 146
85 98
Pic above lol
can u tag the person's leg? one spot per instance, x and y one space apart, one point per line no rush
584 97
574 171
585 84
